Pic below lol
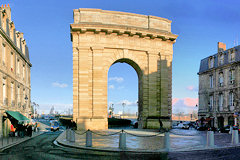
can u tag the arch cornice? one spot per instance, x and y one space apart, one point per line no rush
123 30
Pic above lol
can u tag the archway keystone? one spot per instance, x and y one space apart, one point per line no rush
101 38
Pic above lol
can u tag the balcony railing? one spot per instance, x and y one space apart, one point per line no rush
231 108
13 104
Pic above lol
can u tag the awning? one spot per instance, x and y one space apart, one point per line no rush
18 116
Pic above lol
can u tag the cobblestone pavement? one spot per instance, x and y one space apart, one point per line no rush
42 148
212 154
180 140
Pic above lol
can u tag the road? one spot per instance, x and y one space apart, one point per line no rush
216 154
42 148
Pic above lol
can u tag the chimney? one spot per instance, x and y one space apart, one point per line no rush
221 47
8 10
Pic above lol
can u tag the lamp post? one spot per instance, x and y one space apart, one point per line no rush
34 109
123 104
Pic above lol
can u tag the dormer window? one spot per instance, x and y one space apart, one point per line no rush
211 62
231 55
221 59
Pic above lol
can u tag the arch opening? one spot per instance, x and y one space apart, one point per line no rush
124 93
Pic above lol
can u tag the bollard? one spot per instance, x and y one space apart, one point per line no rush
166 141
235 139
231 129
88 138
210 139
7 140
72 136
122 140
67 134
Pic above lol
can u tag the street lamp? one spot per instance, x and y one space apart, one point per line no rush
34 109
123 104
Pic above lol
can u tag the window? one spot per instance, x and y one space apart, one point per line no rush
211 103
18 66
23 96
231 99
18 95
27 75
4 91
221 59
12 92
231 56
12 61
220 79
231 76
220 101
211 81
3 53
211 62
23 71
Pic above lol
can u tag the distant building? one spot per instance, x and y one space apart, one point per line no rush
219 86
15 88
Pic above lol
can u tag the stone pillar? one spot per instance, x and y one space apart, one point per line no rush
122 140
88 138
235 137
166 141
210 139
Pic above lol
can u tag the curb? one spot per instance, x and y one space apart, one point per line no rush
18 142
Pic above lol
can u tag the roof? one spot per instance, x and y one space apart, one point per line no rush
204 62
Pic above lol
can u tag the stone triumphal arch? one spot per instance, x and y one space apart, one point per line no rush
101 38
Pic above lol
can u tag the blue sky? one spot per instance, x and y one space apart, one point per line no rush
200 24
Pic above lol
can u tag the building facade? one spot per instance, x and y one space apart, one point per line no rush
219 86
15 88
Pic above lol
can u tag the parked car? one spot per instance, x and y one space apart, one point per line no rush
225 129
182 126
202 128
54 126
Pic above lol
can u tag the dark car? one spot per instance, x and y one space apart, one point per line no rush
202 128
224 129
54 126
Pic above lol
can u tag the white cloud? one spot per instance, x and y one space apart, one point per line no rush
60 85
120 87
128 103
59 107
192 88
111 86
186 105
117 79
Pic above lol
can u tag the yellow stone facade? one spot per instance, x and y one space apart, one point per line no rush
15 88
101 38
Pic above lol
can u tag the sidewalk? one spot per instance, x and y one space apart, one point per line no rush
7 142
142 141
